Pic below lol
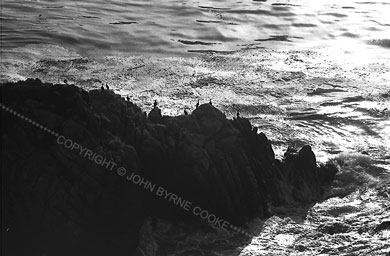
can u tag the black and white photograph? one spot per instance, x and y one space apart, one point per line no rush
195 127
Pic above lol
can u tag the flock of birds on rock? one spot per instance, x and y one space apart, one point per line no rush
107 87
155 101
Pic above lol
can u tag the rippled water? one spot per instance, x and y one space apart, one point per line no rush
178 27
305 72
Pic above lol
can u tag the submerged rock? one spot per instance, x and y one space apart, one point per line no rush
69 204
384 225
334 228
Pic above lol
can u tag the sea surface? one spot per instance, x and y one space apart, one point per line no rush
304 72
176 27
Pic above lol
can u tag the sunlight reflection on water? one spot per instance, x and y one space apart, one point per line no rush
177 27
328 89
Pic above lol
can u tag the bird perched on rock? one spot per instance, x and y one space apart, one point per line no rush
127 98
65 81
108 88
210 102
102 88
197 104
185 112
238 114
155 104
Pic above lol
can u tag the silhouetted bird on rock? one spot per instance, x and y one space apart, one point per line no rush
238 114
197 104
102 88
210 102
107 87
185 112
127 98
155 104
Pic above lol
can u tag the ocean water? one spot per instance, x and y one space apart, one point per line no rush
304 72
176 27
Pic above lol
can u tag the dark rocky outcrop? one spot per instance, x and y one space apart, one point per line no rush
57 202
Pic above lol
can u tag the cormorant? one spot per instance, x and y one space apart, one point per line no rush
108 88
238 114
155 104
210 102
185 112
197 104
127 98
102 88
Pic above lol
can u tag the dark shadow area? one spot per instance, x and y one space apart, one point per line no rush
82 171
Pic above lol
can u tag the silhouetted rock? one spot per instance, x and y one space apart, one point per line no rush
70 205
209 119
155 115
326 173
56 201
